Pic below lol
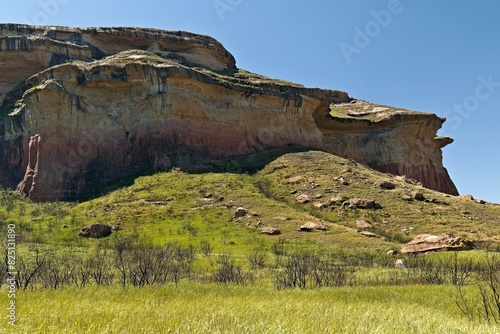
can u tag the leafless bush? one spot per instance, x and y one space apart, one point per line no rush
129 261
257 258
327 271
29 270
447 269
227 271
483 304
303 269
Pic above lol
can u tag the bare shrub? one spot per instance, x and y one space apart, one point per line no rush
227 271
304 269
483 304
257 258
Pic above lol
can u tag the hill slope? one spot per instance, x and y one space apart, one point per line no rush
189 207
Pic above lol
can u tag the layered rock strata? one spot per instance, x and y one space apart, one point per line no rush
92 106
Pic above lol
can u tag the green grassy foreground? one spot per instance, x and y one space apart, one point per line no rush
210 308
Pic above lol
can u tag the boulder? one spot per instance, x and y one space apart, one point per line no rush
341 180
240 212
399 264
424 243
467 197
363 224
270 230
303 199
437 201
295 179
368 234
96 231
361 203
336 199
417 195
387 184
311 226
393 252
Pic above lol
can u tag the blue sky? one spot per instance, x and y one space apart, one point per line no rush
436 56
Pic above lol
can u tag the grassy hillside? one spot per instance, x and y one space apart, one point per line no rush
189 207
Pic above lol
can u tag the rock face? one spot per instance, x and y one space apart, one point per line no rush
390 140
424 243
83 108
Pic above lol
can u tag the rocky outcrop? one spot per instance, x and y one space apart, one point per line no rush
390 140
85 108
425 243
30 49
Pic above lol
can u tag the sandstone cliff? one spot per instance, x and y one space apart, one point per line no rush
84 108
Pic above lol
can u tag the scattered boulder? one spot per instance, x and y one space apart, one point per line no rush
240 212
399 264
336 199
303 199
417 195
407 198
116 227
311 226
96 231
437 201
363 224
361 203
467 197
424 243
480 201
342 181
317 205
393 252
408 180
368 234
295 179
282 218
387 184
270 230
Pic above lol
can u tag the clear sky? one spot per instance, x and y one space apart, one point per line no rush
441 57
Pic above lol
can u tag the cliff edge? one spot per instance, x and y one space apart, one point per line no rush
82 108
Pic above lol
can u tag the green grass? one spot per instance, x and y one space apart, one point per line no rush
209 308
175 206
